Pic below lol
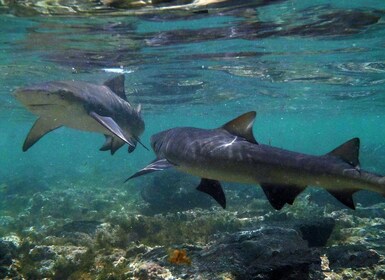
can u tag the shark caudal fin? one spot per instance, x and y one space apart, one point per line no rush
349 153
40 128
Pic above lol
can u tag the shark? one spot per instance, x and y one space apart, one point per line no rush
83 106
231 153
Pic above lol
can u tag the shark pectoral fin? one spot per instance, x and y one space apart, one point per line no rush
242 126
40 128
345 197
112 126
278 195
214 189
348 152
156 165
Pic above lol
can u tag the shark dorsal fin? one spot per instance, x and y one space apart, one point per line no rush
348 151
242 126
116 84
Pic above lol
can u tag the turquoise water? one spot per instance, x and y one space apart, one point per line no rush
313 70
311 91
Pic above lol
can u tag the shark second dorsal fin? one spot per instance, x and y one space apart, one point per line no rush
116 84
348 152
242 126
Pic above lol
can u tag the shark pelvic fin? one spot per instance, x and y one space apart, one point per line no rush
345 197
112 144
112 126
131 148
116 84
242 126
156 165
348 152
40 128
279 195
214 189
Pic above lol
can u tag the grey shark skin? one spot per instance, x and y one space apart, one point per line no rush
84 106
231 153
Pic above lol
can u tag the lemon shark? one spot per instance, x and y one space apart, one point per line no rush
231 153
84 106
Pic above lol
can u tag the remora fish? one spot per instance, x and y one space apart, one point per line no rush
231 153
85 106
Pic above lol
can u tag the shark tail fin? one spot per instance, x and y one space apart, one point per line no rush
348 152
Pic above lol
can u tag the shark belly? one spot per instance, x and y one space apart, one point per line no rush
74 116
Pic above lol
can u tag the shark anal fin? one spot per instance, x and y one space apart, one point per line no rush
348 152
242 126
278 195
214 189
345 197
156 165
116 84
40 128
112 126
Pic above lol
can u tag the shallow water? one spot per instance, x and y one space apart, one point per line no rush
313 70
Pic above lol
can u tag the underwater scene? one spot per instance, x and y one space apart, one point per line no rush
194 139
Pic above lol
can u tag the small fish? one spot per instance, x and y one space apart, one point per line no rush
177 256
85 106
231 153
